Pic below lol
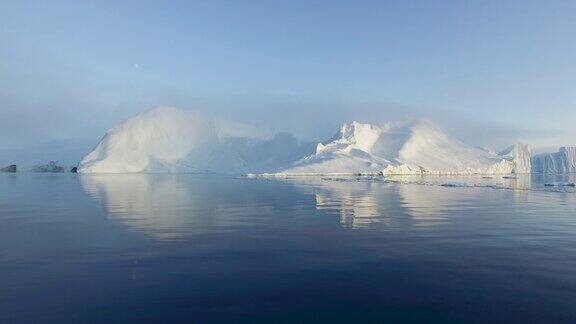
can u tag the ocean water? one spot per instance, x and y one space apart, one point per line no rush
206 249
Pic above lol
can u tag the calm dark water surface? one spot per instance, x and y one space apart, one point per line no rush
169 248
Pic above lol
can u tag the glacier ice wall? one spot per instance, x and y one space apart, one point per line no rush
520 156
563 161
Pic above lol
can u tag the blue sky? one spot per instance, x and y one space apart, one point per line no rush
492 72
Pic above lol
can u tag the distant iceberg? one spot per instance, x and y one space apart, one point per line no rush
563 161
50 167
10 168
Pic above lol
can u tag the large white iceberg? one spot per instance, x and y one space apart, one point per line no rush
406 148
174 140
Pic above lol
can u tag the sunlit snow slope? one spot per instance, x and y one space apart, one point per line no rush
406 148
173 140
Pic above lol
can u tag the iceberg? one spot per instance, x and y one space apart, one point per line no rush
563 161
175 140
403 148
10 168
520 155
50 167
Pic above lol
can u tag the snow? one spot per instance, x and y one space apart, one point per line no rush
160 135
175 140
418 147
563 161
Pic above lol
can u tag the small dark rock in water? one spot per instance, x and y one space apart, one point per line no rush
561 184
74 170
10 168
509 177
449 185
51 167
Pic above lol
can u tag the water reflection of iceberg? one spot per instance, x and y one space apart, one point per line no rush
358 204
367 204
515 182
414 201
166 206
170 207
146 204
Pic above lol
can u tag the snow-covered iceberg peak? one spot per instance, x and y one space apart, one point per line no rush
415 147
356 147
360 136
429 150
176 140
354 136
162 134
